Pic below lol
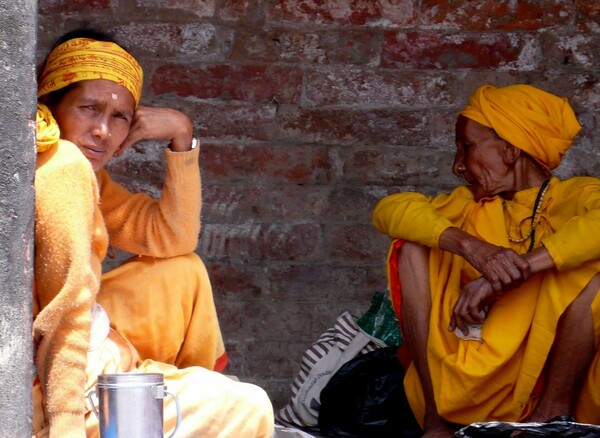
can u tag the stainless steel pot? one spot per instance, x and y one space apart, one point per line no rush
131 405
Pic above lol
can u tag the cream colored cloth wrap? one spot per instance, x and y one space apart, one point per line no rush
82 59
533 120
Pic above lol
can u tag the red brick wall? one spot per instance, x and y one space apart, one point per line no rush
309 112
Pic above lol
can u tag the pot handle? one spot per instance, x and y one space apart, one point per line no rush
178 412
89 397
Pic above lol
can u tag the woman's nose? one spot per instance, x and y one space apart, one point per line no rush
100 128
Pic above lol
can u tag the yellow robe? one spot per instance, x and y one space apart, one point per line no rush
496 379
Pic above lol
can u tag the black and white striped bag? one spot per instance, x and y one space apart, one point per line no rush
341 343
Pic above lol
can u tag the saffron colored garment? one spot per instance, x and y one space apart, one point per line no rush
71 239
501 377
165 308
161 301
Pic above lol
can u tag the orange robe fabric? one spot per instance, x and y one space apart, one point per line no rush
499 378
71 239
69 249
161 300
165 308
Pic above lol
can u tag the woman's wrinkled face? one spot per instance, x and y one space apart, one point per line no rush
96 116
479 158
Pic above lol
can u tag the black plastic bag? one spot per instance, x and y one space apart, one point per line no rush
558 427
366 399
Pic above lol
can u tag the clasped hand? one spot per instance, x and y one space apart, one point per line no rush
501 268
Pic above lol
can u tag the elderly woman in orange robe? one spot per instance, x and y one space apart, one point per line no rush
496 283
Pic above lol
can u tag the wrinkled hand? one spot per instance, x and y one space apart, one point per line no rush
502 267
151 123
470 306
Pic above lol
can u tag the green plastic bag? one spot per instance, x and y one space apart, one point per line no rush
380 320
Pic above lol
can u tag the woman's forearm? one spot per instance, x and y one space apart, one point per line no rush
539 260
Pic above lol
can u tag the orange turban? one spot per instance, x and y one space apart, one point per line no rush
82 59
533 120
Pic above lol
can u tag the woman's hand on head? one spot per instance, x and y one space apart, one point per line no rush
151 123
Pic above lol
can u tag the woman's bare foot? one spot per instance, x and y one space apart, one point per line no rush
439 429
544 413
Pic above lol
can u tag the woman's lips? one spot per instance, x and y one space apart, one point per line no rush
92 152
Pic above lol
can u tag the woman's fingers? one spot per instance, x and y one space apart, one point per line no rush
469 308
151 123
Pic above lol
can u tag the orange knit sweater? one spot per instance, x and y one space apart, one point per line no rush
77 213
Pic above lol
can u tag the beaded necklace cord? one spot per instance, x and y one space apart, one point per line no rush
537 206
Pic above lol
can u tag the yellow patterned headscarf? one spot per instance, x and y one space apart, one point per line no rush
82 59
533 120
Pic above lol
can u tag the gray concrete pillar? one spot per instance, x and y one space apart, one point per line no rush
17 163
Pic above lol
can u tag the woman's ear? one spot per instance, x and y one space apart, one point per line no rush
510 154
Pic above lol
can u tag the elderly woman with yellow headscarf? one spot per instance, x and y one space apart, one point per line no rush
495 284
155 311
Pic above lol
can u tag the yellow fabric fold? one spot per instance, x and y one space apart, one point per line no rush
533 120
47 131
82 59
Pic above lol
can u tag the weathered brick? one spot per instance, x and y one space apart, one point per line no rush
233 10
292 164
496 15
350 203
355 243
582 158
343 126
279 365
292 320
360 46
588 15
252 83
297 284
355 12
202 41
570 51
327 283
234 281
394 165
259 241
353 87
471 79
232 120
237 203
420 49
585 93
72 6
200 8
